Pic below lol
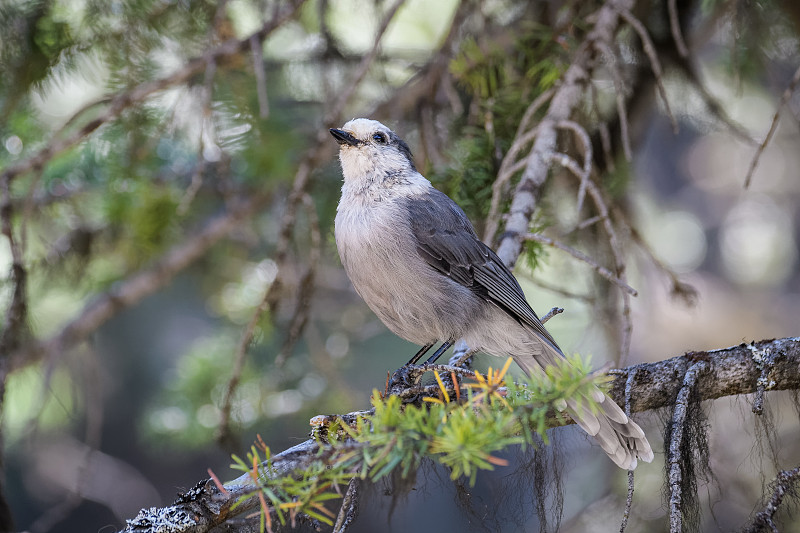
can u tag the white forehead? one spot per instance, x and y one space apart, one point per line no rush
361 128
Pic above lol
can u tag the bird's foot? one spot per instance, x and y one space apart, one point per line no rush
404 380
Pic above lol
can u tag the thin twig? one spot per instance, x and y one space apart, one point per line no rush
602 130
92 436
787 94
655 64
17 312
584 258
430 140
551 313
714 106
785 482
557 290
617 252
680 289
510 165
605 141
224 434
588 222
675 27
531 110
620 92
206 124
580 132
256 48
305 292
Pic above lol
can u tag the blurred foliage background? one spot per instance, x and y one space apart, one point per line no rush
105 415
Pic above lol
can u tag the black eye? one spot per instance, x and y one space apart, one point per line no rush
379 137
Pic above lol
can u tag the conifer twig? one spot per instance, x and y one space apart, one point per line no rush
123 100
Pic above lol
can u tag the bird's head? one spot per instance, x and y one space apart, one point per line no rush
370 151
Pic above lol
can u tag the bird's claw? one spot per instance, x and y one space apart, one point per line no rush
404 378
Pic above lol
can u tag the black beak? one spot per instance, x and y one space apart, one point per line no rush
342 137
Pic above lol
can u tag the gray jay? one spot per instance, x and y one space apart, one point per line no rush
415 259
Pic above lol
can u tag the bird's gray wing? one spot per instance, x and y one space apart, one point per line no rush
447 241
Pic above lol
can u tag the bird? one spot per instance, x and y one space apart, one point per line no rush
413 256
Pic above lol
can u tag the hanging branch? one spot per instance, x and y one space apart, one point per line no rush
224 435
586 145
626 513
349 508
206 126
675 456
614 244
306 286
17 313
675 28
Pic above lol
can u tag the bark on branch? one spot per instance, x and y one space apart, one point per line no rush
742 369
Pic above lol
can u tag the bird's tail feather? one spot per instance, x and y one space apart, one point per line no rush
618 435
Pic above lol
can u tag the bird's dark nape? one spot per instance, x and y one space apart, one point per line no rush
405 150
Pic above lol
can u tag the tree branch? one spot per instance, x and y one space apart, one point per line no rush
132 290
566 99
727 372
